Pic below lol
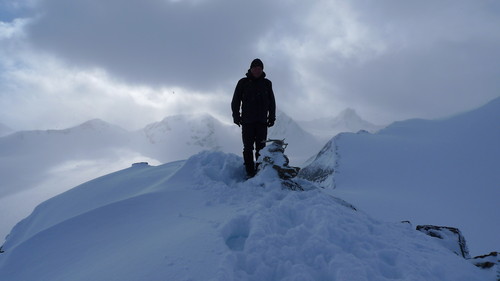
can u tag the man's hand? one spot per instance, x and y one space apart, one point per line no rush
270 122
237 121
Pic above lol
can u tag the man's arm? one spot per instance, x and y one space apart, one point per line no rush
272 105
236 103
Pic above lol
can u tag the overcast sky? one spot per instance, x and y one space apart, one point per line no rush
133 62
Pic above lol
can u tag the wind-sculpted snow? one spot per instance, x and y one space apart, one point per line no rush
199 220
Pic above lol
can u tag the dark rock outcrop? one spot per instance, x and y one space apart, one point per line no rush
451 238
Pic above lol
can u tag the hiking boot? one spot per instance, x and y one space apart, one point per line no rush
250 169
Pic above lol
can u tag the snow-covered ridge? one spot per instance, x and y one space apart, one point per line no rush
441 171
198 220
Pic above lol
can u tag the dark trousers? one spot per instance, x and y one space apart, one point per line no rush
253 133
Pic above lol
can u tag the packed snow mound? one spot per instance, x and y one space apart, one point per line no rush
198 220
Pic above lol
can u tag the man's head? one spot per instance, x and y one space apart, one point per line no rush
256 68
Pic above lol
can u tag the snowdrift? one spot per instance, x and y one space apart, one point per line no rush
198 220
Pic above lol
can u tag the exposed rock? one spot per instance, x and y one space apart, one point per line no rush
451 238
490 261
273 156
486 261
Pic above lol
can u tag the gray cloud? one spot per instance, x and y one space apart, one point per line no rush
193 45
412 59
390 59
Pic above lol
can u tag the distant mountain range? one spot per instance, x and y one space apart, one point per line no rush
173 138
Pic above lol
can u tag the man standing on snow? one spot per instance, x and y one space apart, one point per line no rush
254 94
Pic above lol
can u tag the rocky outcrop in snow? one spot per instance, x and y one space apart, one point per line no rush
450 237
490 262
453 239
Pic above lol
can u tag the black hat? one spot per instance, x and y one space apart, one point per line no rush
257 62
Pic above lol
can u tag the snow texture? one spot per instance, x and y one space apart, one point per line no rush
198 220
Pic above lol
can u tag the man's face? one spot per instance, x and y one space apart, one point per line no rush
256 71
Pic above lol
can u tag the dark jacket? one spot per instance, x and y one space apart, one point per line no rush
255 96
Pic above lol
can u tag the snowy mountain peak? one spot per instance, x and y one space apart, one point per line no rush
287 128
352 122
94 123
97 125
348 114
188 134
346 121
284 125
181 120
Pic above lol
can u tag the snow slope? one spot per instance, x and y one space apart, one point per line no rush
196 220
441 172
